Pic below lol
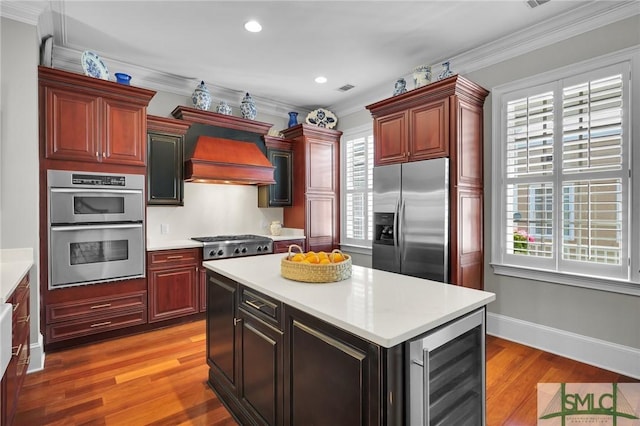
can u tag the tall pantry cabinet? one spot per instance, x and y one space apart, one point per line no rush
316 179
442 119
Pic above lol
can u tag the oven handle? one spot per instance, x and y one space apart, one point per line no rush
92 227
104 191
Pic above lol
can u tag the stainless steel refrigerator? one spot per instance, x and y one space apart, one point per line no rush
411 219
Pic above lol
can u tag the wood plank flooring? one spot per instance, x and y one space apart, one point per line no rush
159 378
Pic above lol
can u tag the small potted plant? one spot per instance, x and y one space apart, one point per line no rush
521 240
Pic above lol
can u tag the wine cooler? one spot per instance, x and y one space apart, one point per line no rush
446 377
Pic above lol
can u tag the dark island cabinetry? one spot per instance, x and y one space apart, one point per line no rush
272 364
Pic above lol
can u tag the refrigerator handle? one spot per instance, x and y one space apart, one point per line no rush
396 224
399 234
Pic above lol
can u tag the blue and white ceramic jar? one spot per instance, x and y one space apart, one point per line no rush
421 76
248 108
201 97
446 71
293 119
400 87
223 108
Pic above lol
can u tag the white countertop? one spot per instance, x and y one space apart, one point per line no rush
153 245
14 265
382 307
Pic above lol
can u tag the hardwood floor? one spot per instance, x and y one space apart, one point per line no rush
159 378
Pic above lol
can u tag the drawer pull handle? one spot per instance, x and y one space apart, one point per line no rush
237 321
101 324
26 361
25 319
17 351
255 304
174 257
104 305
15 307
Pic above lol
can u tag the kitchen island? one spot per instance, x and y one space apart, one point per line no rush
286 352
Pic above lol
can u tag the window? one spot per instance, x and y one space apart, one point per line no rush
357 188
563 199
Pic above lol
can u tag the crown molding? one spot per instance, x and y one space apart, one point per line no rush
26 12
592 15
69 59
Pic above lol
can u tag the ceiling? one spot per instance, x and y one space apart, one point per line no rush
367 44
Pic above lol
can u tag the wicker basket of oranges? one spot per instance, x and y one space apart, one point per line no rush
314 267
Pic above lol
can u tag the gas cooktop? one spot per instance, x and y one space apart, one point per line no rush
224 246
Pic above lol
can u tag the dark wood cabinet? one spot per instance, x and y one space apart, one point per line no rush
272 364
331 377
442 119
20 351
92 120
173 284
165 153
316 192
280 155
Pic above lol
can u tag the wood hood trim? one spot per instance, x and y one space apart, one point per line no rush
218 160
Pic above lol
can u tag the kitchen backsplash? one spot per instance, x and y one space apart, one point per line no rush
211 209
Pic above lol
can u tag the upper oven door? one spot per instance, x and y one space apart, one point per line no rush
75 205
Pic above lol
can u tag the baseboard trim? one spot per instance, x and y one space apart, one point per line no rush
600 353
36 362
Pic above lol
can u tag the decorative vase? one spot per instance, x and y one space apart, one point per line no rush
223 108
201 97
248 107
400 87
293 119
446 71
422 75
276 228
123 78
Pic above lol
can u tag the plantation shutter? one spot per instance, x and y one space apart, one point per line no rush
359 186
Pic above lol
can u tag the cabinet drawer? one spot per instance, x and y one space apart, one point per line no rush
98 306
21 291
99 324
178 256
261 306
282 246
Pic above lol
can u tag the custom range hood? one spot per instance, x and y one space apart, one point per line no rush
219 160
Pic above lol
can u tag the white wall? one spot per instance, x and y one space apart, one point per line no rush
19 149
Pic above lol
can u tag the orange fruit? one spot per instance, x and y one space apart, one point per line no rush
313 258
325 261
297 258
336 257
309 254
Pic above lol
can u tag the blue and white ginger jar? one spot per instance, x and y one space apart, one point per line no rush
223 108
201 97
446 71
248 107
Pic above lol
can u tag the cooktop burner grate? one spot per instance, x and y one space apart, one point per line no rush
223 246
218 238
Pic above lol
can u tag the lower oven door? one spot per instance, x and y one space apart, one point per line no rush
89 254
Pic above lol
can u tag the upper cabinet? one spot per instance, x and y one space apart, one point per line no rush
92 120
316 195
442 119
165 160
280 155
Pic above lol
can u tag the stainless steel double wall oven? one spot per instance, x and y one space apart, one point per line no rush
96 227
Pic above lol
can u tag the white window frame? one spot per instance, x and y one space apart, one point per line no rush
354 245
535 269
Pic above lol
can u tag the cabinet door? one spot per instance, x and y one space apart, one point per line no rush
279 194
322 166
429 131
391 139
124 133
71 125
173 292
164 172
322 229
327 368
222 335
467 238
261 364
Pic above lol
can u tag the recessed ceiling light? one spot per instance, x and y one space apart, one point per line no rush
321 79
253 26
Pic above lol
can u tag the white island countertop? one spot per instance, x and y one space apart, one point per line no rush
382 307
